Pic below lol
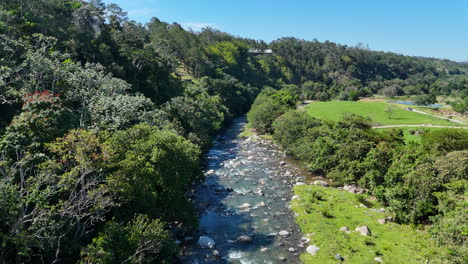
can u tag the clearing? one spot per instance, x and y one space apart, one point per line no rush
334 110
323 211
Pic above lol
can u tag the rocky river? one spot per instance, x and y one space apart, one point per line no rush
243 204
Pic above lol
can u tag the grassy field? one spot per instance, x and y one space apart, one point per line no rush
334 110
323 211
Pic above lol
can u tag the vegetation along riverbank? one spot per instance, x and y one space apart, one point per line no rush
420 184
105 123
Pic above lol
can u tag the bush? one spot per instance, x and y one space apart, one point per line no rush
291 126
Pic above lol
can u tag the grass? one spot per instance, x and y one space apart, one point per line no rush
335 110
323 211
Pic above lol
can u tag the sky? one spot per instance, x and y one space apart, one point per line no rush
429 28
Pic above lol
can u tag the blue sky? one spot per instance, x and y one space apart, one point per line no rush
430 28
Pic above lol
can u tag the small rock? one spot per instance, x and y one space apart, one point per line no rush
244 206
345 229
291 249
283 233
363 230
322 183
244 239
381 221
295 197
300 183
312 249
338 257
281 258
263 249
378 259
210 172
282 163
215 253
362 205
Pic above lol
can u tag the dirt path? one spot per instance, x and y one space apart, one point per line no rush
425 125
441 117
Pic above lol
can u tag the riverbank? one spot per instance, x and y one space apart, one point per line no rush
243 204
354 228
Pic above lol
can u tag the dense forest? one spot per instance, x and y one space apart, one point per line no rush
104 122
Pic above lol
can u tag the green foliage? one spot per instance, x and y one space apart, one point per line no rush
141 240
42 119
291 126
445 140
268 106
152 169
425 99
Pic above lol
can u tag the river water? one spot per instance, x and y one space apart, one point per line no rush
246 192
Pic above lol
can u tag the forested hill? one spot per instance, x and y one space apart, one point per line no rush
103 120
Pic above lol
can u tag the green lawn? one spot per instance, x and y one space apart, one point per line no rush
334 110
323 211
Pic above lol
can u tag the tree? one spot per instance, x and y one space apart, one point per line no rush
425 99
390 109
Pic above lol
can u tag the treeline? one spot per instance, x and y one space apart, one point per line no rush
420 183
103 120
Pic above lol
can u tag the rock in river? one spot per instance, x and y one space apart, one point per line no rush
244 206
206 242
283 233
244 239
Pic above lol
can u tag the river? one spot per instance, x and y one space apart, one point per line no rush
246 193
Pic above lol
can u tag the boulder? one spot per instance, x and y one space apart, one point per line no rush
312 249
283 233
322 183
363 230
206 242
354 188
